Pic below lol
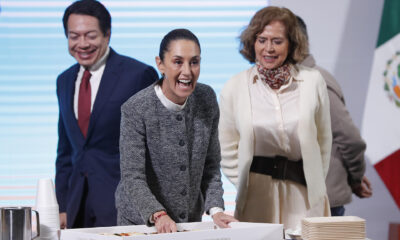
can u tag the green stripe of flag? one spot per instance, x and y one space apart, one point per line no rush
390 22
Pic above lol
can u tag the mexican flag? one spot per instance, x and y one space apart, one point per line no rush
381 120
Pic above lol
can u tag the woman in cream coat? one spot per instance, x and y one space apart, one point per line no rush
274 129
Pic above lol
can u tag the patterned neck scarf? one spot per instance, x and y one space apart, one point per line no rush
275 78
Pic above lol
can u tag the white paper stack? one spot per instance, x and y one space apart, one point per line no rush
333 228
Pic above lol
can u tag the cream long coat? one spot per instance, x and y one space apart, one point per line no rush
347 166
314 130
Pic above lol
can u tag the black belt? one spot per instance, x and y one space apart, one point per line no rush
279 167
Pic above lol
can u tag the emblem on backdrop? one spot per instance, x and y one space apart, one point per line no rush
392 78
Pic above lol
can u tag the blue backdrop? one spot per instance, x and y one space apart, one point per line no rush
34 51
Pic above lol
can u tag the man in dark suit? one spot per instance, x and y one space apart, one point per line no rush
90 94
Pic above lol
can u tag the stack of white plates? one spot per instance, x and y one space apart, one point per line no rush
333 228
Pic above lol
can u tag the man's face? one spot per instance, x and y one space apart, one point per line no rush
86 43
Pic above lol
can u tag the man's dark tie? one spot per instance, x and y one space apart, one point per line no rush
84 103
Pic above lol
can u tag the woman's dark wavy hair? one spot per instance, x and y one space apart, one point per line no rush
92 8
298 44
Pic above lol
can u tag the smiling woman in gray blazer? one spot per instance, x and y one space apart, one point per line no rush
170 154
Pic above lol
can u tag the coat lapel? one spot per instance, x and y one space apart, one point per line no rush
108 82
245 104
69 100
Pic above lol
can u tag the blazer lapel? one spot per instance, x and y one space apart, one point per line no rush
69 103
107 84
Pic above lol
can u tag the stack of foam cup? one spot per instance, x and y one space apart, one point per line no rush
47 206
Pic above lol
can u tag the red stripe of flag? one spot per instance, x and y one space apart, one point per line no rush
389 170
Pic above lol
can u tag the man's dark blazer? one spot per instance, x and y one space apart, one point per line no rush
97 156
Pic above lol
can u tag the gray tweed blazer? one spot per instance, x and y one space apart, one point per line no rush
169 160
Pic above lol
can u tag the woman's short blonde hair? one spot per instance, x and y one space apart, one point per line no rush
298 44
